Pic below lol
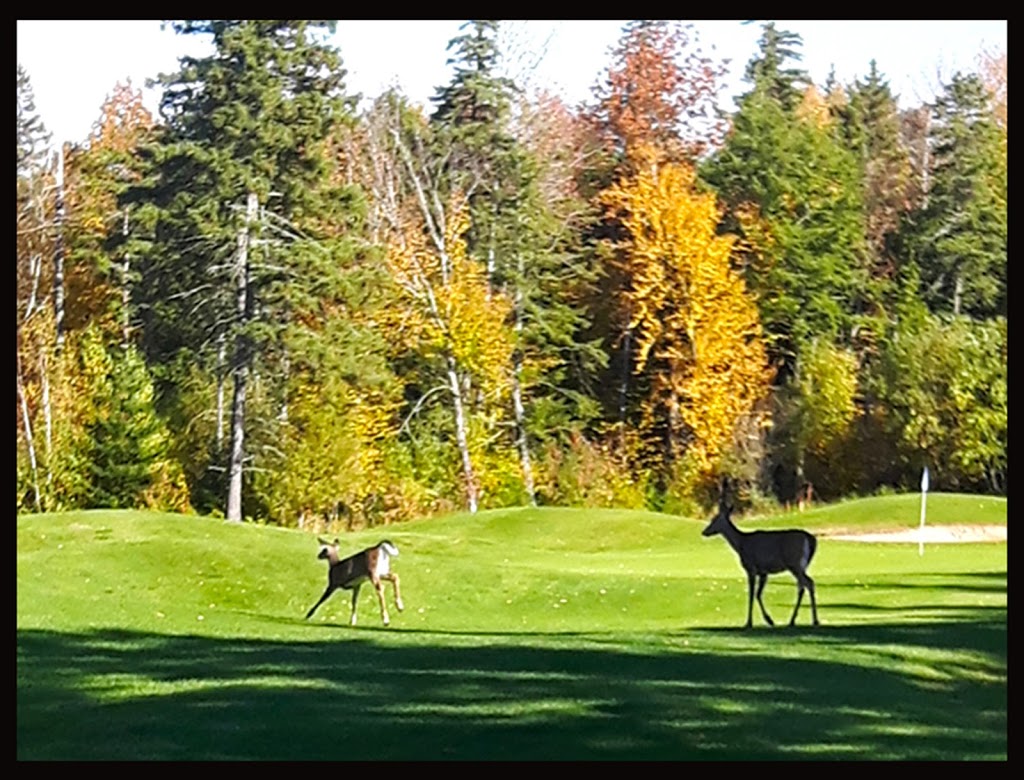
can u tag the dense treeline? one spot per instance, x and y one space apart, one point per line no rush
272 304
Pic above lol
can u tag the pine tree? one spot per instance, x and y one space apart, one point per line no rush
769 72
959 237
513 232
871 125
32 136
793 194
246 233
129 448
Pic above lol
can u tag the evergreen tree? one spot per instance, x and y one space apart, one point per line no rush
32 136
871 125
959 237
514 233
793 194
248 238
471 133
770 73
129 449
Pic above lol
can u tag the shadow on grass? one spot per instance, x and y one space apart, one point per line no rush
974 582
689 695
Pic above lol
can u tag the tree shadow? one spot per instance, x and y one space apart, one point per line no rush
722 694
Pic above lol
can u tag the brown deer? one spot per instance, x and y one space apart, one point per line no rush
767 552
373 564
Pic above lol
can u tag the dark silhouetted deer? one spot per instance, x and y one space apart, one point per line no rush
373 564
767 552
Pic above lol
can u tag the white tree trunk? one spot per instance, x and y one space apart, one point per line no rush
126 290
461 436
242 358
221 361
523 441
27 421
58 254
518 407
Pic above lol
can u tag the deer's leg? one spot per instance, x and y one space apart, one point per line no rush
380 597
398 593
762 580
750 600
323 598
814 605
804 582
799 598
355 602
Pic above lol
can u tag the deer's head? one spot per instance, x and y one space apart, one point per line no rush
719 522
328 550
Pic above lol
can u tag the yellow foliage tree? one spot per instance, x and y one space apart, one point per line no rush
454 317
697 330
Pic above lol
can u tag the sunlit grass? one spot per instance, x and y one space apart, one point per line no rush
531 634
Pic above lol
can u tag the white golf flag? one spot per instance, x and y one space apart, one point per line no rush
924 490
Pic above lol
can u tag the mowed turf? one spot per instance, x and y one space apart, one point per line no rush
528 634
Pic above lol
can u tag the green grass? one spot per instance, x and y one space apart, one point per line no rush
541 634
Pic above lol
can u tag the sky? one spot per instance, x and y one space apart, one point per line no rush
74 64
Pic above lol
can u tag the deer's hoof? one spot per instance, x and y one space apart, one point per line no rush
401 606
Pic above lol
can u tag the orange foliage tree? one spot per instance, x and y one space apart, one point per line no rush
99 278
660 89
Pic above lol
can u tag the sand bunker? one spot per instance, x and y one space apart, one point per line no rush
931 534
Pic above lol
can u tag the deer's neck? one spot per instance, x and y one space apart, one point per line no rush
733 535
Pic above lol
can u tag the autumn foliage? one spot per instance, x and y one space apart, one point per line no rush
501 299
660 90
691 314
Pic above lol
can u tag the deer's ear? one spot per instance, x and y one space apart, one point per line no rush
321 540
336 542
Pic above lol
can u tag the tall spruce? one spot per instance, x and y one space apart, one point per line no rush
793 194
772 73
32 135
238 207
959 237
871 125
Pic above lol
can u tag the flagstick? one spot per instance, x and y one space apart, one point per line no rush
924 493
920 539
